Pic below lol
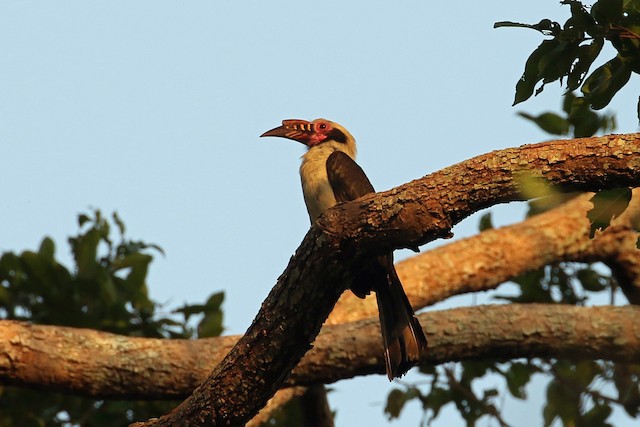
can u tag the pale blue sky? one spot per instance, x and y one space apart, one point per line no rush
153 109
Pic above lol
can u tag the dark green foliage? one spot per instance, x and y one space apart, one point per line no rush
211 323
625 377
107 291
396 400
565 394
517 377
451 384
564 283
578 119
549 122
607 205
486 222
543 204
605 81
574 46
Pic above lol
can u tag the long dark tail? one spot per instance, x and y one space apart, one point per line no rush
404 341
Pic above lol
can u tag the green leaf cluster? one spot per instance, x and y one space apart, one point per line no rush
574 394
578 119
210 324
573 47
562 283
105 290
457 385
607 205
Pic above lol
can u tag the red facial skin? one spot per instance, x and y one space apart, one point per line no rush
308 133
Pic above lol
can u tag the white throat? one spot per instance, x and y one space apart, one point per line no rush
318 194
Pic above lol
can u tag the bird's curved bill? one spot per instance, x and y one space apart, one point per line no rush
295 129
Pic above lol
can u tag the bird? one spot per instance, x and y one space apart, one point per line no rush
330 175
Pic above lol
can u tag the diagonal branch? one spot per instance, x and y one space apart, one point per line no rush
417 212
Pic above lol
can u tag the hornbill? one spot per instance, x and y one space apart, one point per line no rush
330 175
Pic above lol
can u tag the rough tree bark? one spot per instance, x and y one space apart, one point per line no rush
407 216
484 261
497 331
417 212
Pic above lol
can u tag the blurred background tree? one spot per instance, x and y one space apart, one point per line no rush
105 290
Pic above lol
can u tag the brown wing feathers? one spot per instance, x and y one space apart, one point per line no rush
403 339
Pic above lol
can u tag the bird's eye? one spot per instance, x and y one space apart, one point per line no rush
322 126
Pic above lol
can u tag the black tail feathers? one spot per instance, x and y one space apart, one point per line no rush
404 341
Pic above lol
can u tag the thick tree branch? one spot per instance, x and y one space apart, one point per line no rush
414 213
484 261
342 351
491 331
